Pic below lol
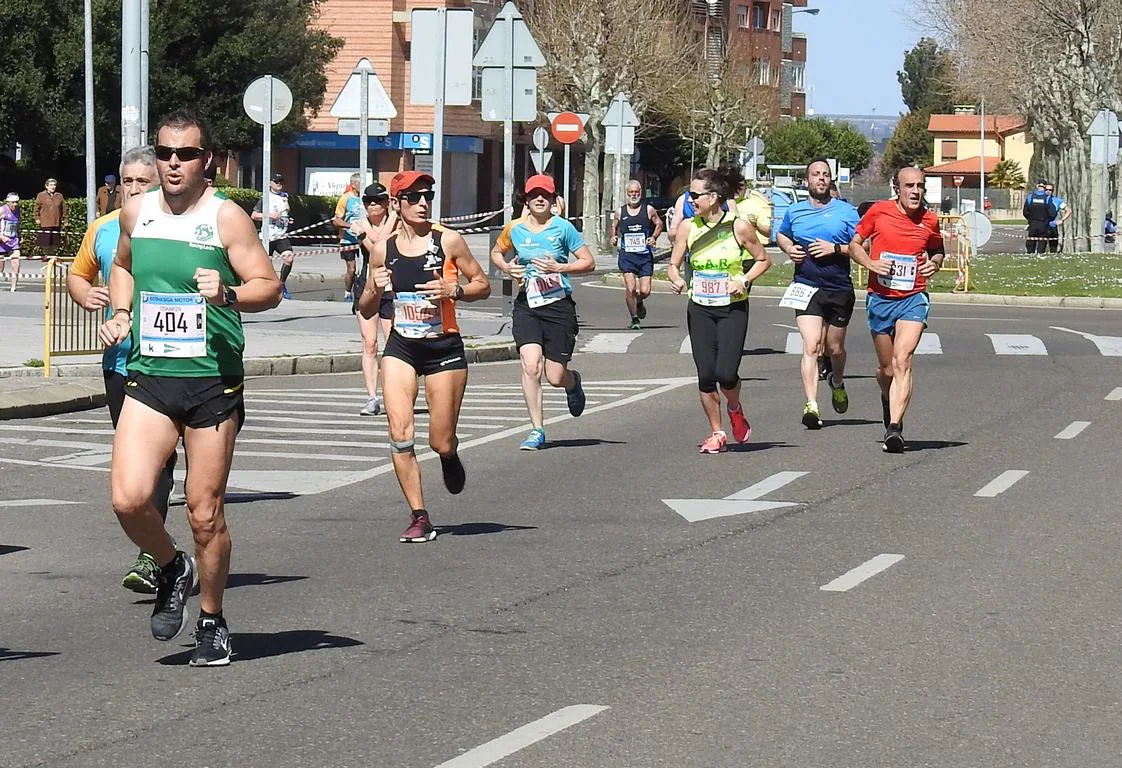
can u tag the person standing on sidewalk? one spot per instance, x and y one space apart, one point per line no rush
421 263
9 237
189 262
378 224
108 195
280 216
50 213
348 211
635 228
93 264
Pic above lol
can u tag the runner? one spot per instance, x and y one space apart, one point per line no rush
378 224
544 315
815 235
717 314
347 211
280 216
190 262
907 248
93 262
635 229
9 237
421 263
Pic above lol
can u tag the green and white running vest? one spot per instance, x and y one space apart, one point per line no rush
174 331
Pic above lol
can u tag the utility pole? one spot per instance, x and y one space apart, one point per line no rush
130 74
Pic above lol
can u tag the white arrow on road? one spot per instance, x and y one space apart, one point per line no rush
739 503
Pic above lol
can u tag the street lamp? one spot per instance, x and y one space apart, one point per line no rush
811 11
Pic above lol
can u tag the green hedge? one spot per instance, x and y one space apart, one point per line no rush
306 209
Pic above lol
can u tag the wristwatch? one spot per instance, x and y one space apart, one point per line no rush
231 298
459 294
837 249
126 311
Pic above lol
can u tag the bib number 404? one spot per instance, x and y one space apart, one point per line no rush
170 321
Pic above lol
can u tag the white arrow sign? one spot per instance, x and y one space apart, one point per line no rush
740 503
347 103
493 52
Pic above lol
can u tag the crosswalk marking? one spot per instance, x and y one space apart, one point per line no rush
610 343
686 347
929 344
1109 346
794 344
1017 344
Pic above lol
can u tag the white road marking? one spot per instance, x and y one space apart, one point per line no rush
520 738
1109 346
60 430
609 343
740 503
794 343
1072 430
851 579
36 502
1016 344
686 347
1114 394
1001 483
767 485
929 344
784 325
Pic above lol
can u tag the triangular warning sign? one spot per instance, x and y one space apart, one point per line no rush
349 101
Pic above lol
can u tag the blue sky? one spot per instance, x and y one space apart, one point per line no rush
854 49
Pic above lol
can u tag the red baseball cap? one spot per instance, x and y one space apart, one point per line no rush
541 181
406 179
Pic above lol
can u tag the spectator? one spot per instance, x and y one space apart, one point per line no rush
986 204
9 236
1110 229
1039 210
947 206
50 213
1059 218
108 196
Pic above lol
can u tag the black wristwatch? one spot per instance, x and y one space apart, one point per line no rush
459 293
837 249
231 297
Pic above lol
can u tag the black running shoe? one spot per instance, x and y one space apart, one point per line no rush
894 439
212 643
454 475
575 396
641 310
174 584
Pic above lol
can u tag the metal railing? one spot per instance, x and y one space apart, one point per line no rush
68 328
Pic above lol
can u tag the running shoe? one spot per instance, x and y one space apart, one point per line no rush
453 470
169 615
811 418
885 411
284 292
575 396
825 367
641 310
634 324
741 429
715 443
533 441
838 396
212 643
420 530
143 575
894 439
348 296
373 407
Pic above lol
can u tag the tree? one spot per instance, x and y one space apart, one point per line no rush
927 80
1007 175
799 141
910 144
200 54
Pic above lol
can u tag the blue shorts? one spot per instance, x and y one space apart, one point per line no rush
641 264
884 313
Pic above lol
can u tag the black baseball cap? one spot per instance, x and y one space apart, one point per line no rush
374 191
277 177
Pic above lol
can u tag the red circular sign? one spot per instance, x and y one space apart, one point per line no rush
567 128
958 180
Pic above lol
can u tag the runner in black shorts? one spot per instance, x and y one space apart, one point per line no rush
544 315
815 235
422 264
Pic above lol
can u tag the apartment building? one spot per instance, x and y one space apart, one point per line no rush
761 34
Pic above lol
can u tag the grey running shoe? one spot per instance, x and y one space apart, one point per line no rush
212 643
373 407
169 615
143 575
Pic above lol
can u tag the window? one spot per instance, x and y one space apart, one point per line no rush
950 150
776 21
759 15
762 69
742 16
799 72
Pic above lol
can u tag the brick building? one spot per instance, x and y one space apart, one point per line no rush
762 35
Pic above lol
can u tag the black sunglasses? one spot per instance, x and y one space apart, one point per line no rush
694 195
185 154
415 197
380 200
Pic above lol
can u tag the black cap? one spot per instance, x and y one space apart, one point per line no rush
277 177
375 190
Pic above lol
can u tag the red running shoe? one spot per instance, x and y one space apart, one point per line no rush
741 429
420 530
715 443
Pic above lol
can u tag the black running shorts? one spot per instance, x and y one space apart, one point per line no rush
197 403
553 326
278 247
428 356
834 307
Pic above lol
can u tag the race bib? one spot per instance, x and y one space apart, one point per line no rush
415 317
903 274
172 324
9 227
710 289
797 296
635 242
543 288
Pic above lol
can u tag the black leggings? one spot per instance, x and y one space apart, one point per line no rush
717 336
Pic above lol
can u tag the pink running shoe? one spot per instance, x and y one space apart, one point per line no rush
715 443
420 530
741 429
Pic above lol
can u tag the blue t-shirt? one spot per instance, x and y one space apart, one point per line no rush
835 222
557 241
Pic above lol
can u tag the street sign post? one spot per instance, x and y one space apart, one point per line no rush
1104 134
540 156
620 115
363 97
567 128
348 126
446 79
958 191
267 100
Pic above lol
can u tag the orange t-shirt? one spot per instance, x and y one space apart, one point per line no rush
903 239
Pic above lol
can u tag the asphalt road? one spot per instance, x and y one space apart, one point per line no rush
561 579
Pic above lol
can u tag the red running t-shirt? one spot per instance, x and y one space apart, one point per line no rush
905 240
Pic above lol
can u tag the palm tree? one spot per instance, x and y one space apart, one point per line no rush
1007 175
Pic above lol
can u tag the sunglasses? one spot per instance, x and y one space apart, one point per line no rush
185 154
379 200
415 197
694 195
536 193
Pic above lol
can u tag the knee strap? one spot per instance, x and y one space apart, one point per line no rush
401 446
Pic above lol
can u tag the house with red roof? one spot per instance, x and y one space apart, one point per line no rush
959 149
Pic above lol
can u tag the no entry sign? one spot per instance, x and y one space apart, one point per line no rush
567 128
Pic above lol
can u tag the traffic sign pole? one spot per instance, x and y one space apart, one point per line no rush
266 164
438 113
508 152
363 127
566 181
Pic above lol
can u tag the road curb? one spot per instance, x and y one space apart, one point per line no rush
65 398
1053 302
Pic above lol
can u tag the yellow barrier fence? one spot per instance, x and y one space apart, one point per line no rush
958 255
68 329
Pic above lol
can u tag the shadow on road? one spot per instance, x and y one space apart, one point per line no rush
250 496
8 549
258 580
480 529
249 646
851 422
755 351
753 447
7 654
933 445
581 442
